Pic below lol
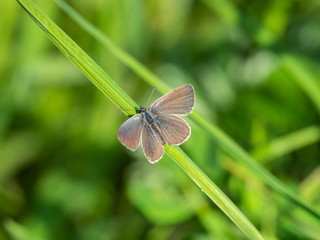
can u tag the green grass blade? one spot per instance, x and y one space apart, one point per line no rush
73 52
17 231
106 85
238 153
287 144
225 9
213 192
127 59
224 141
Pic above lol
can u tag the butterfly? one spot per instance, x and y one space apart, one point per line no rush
160 124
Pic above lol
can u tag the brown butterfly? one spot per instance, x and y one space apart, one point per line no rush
159 124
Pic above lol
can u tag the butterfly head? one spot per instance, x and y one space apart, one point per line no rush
142 109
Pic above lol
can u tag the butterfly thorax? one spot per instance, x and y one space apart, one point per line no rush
148 119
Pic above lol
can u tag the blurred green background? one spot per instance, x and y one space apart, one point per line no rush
255 69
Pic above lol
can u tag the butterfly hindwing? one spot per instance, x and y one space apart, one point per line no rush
174 130
152 147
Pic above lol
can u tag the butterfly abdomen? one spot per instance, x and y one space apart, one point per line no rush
148 119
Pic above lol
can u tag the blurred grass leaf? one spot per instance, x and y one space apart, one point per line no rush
160 201
288 143
15 153
19 232
10 201
302 77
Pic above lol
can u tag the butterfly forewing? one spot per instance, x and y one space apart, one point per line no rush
152 147
129 133
174 130
179 101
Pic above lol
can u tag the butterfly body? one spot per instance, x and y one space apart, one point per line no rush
149 119
159 124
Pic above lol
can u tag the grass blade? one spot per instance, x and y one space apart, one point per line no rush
287 144
224 141
209 188
106 85
127 59
74 53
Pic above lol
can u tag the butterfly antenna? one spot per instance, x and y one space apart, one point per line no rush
154 87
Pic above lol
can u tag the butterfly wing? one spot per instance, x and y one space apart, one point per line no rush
179 101
129 133
174 130
152 147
